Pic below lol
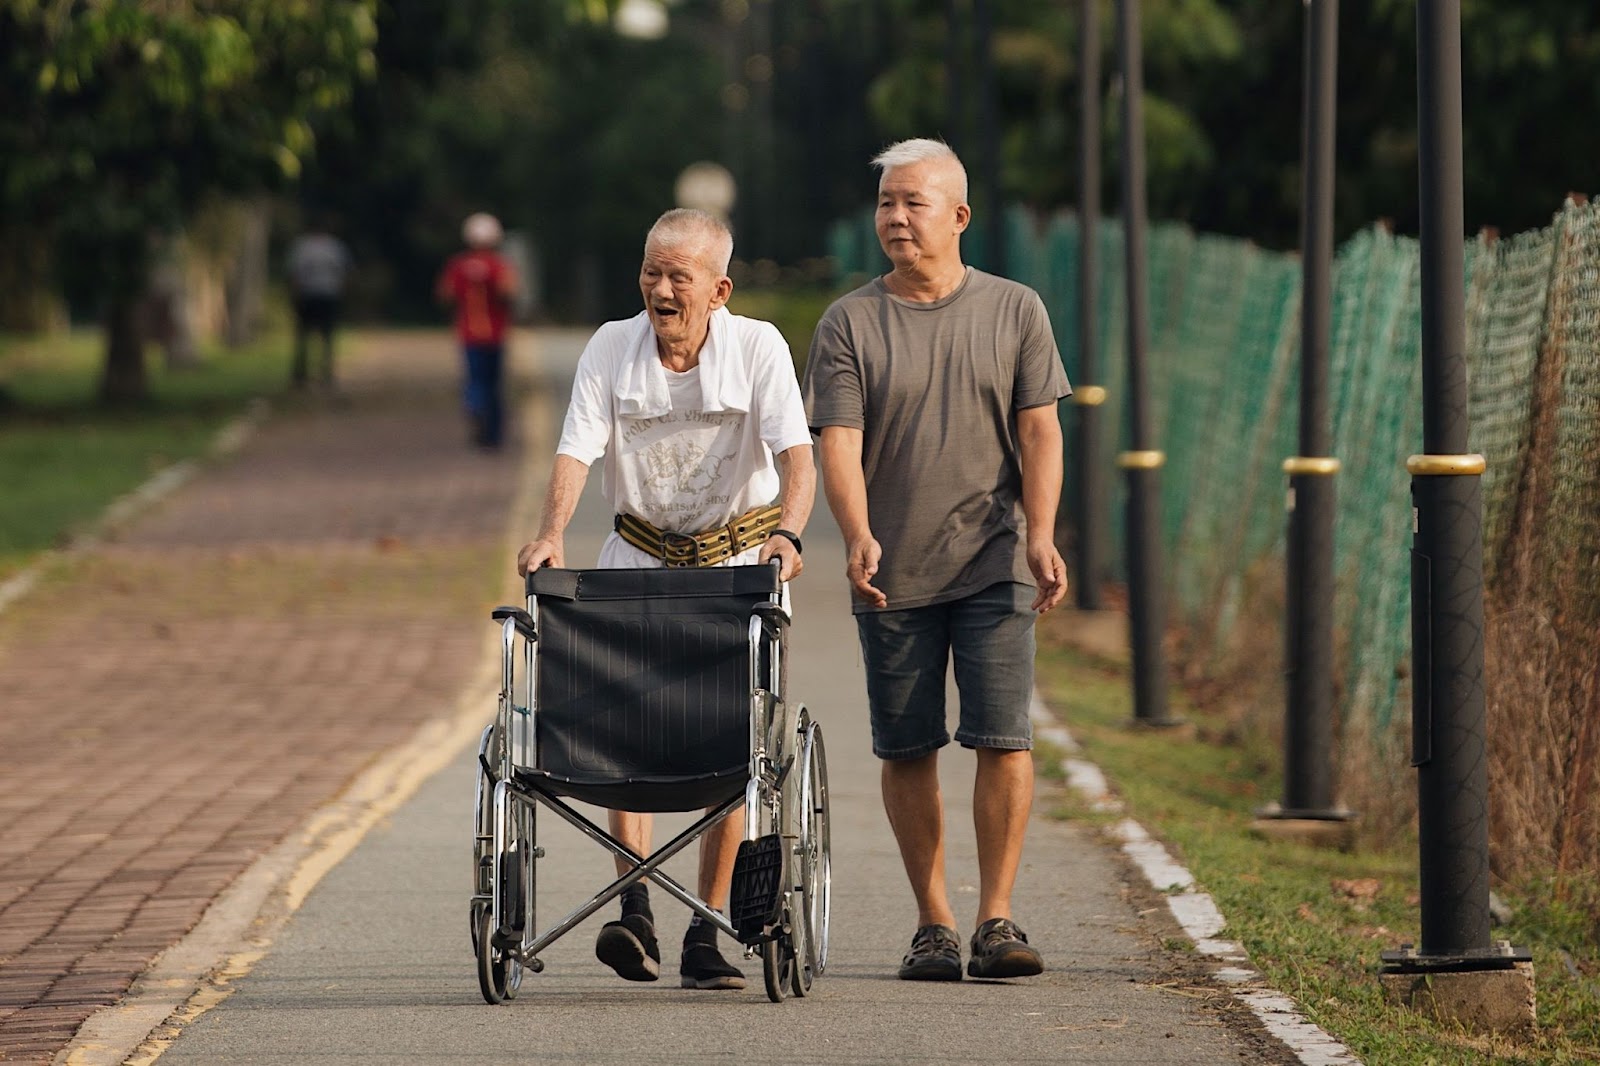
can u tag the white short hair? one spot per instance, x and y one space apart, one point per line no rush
481 231
686 225
920 150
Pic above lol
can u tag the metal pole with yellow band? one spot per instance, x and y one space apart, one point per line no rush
1142 529
1308 733
1448 720
1088 510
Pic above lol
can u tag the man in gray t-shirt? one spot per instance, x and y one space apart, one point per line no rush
933 392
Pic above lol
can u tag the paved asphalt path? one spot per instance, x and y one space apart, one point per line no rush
377 965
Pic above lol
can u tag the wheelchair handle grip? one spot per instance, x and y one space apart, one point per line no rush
520 618
773 617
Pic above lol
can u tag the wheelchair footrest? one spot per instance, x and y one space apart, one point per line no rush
755 902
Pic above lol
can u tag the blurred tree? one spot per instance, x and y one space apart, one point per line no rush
1035 57
536 110
1529 90
543 112
122 117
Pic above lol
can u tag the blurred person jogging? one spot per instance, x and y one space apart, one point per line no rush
318 264
480 284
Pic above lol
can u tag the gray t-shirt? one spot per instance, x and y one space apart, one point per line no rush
934 388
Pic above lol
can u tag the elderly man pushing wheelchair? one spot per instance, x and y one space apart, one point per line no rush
697 415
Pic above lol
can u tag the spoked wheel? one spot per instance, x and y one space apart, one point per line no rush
499 968
778 966
499 973
483 834
814 874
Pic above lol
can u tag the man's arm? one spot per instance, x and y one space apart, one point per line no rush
567 478
1039 445
845 484
799 475
505 280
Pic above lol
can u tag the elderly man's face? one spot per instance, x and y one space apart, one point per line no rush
920 214
681 290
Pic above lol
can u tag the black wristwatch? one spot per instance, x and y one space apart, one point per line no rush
792 538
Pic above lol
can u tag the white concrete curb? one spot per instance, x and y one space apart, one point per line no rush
1195 911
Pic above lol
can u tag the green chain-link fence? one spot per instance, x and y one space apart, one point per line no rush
1224 358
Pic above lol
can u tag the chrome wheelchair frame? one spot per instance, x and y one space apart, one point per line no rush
781 897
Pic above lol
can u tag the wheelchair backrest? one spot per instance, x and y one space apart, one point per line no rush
645 674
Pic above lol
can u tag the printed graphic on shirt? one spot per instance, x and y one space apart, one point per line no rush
685 461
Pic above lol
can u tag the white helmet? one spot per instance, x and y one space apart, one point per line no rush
481 231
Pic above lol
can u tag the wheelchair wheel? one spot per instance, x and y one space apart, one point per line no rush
814 880
499 974
777 966
483 835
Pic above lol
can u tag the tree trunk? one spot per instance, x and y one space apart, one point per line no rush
247 279
28 300
166 307
124 382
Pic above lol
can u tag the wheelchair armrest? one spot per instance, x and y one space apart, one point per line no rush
773 617
519 617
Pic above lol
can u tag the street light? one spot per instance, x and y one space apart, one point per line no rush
644 20
1088 393
706 187
1141 462
1448 715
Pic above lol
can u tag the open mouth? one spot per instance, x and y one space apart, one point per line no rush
666 314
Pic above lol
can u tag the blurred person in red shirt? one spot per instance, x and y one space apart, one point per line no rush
480 284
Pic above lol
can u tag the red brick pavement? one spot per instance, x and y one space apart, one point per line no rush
174 703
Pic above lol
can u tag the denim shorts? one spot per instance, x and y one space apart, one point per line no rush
989 634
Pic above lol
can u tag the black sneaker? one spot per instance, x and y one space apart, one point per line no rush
1000 949
704 967
935 955
629 947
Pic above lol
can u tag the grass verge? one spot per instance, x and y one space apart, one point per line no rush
63 457
1314 921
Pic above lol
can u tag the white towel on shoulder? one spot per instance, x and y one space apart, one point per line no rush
641 388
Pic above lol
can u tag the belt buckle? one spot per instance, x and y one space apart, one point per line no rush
668 538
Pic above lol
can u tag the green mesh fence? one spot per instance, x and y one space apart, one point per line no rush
1224 330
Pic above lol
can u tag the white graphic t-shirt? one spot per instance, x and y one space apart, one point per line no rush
686 452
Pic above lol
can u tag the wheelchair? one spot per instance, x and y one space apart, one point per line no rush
653 690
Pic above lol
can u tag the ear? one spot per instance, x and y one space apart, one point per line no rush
720 294
963 217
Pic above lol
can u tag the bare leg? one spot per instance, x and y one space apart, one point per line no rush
633 830
719 847
915 807
1001 796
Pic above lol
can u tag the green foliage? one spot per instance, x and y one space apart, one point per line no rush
124 117
538 112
